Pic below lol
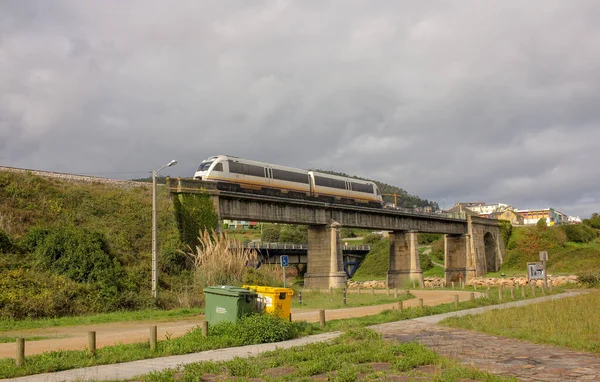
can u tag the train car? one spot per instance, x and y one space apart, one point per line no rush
243 175
345 190
237 174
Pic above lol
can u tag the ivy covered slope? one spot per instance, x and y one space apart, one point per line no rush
71 248
403 198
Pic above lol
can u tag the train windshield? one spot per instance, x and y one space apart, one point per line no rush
204 166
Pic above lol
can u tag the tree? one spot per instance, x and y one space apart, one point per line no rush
297 234
594 221
541 224
270 233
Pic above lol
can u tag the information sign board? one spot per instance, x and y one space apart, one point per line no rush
534 272
283 259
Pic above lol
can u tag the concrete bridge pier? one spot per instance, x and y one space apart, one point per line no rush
455 258
405 262
325 262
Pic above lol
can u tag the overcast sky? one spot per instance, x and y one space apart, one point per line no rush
493 101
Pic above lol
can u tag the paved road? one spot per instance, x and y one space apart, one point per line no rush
75 337
526 361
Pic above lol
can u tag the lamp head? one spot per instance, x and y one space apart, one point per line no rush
172 163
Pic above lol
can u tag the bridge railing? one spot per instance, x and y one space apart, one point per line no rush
260 245
453 215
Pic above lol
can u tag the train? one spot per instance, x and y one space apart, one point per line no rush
249 176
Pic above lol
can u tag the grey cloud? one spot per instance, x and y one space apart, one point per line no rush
452 101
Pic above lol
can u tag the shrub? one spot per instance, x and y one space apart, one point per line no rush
263 276
372 238
579 233
505 231
428 238
172 259
593 221
426 262
348 233
78 254
6 244
35 237
297 234
589 280
258 329
270 233
541 224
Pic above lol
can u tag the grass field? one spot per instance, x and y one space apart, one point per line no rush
356 354
571 322
324 300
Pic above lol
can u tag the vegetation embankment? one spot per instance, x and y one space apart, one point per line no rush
355 354
376 263
250 330
78 248
570 322
69 249
572 249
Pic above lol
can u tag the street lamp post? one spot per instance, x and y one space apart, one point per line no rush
154 240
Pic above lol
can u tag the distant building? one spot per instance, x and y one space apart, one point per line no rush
574 220
486 209
552 216
510 215
239 224
461 209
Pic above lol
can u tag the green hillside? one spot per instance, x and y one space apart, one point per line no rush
70 248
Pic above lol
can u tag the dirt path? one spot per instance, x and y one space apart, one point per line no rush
75 337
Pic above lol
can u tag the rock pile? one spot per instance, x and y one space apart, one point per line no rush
438 282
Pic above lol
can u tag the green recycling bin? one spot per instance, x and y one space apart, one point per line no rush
228 303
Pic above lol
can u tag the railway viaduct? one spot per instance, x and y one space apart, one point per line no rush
473 246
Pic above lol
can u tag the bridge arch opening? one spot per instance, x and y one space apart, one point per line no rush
490 252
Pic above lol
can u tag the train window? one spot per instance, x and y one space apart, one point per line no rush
328 182
360 187
290 176
246 169
253 170
204 166
218 167
235 167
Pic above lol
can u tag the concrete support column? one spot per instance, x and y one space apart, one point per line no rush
471 262
455 258
325 268
405 263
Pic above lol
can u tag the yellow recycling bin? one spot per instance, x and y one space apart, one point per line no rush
274 300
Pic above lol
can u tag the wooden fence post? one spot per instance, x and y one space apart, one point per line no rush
153 331
322 317
20 360
92 343
204 326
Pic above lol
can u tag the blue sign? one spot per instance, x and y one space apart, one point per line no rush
283 259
